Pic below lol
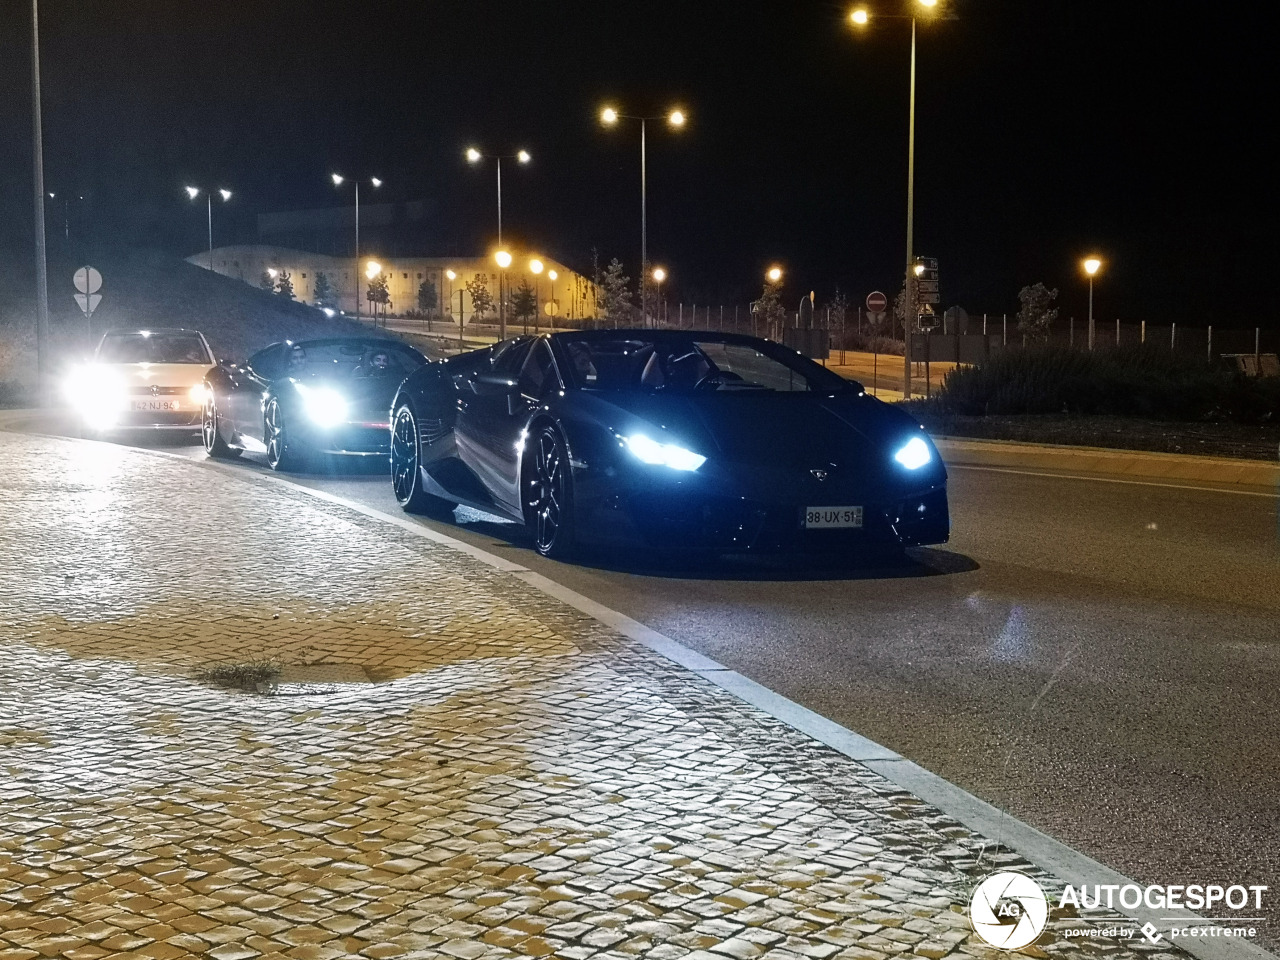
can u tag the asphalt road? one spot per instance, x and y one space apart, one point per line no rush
1100 659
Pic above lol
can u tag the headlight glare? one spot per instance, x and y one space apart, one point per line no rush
650 451
96 393
914 454
199 394
325 406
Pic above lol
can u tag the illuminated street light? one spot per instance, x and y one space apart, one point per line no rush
372 269
659 274
860 17
272 272
451 275
503 259
192 193
774 275
521 156
918 269
535 266
675 119
1091 266
338 180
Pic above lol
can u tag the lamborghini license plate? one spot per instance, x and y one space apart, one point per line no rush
832 518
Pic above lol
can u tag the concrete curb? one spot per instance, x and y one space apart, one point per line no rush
1108 462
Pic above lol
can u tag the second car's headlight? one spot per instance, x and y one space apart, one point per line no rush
914 454
325 406
664 454
95 391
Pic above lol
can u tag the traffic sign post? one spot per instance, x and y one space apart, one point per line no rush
88 282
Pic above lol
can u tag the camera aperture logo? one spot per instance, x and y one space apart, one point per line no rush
1008 910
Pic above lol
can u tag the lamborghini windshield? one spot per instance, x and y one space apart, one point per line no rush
668 364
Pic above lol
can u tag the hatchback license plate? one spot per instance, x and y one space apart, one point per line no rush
832 518
154 406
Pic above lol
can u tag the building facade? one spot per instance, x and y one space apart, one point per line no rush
560 291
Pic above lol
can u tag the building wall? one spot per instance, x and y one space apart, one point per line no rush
574 294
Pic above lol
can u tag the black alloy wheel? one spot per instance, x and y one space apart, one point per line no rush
280 455
406 477
548 500
214 445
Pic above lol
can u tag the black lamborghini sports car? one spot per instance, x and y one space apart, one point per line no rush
294 400
676 440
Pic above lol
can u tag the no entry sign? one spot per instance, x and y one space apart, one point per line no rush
877 301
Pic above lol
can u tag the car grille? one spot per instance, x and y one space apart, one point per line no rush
157 391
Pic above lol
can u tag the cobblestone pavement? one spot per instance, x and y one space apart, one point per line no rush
509 779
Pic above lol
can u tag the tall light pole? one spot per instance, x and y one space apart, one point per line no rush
523 157
536 267
194 192
860 17
659 275
675 119
42 269
1091 266
503 259
337 182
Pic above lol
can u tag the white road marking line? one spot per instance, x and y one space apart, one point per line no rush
1136 483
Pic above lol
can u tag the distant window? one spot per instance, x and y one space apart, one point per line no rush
406 276
304 276
419 276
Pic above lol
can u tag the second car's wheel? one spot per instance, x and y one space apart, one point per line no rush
406 477
211 433
281 454
548 495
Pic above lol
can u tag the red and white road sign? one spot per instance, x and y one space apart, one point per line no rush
877 301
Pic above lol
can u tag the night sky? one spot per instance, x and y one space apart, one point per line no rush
1046 130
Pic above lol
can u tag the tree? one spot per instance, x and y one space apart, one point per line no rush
839 308
284 285
324 294
378 294
615 285
267 282
427 300
903 312
481 298
524 303
768 309
1038 311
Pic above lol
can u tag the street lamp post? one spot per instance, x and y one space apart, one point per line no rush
520 156
552 276
194 192
338 180
659 275
675 119
1091 266
536 268
42 270
452 277
503 259
861 17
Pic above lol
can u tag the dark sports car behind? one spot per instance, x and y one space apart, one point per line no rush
295 400
670 439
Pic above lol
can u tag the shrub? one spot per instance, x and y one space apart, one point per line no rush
1142 381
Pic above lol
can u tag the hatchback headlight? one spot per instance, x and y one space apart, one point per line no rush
324 406
914 454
